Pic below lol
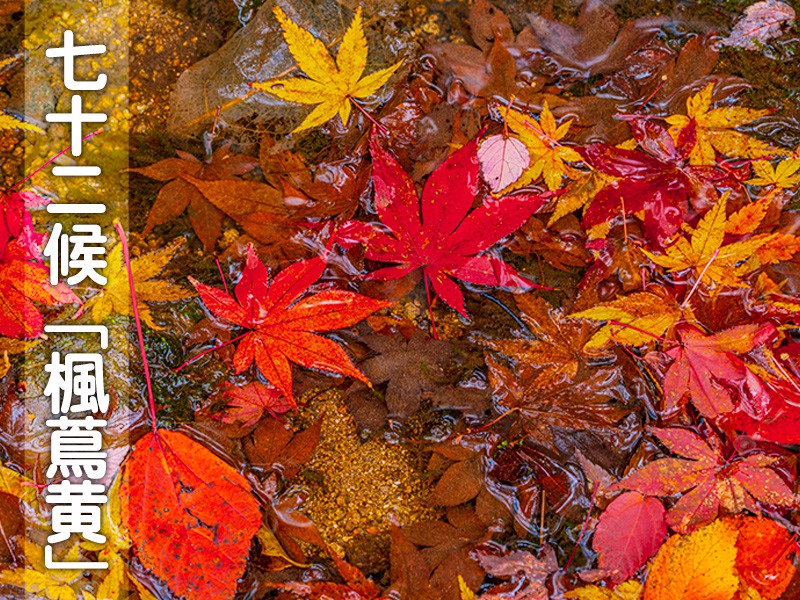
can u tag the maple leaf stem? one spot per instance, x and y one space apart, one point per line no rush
655 91
541 519
380 127
48 161
508 311
699 279
127 258
222 275
783 552
209 351
489 424
537 129
430 308
595 489
8 544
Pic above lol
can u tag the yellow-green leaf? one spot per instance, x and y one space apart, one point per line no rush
115 299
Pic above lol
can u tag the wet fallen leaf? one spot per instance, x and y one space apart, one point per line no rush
584 403
707 368
114 298
274 446
597 43
24 281
629 533
247 404
764 557
698 566
555 344
707 480
638 319
503 159
784 175
283 326
53 584
630 590
439 234
707 254
527 574
762 22
356 585
331 86
417 371
716 129
190 515
179 196
542 139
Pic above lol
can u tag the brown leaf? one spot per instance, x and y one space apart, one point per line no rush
460 483
417 370
527 574
179 195
409 570
596 44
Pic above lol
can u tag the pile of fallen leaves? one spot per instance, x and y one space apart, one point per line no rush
599 292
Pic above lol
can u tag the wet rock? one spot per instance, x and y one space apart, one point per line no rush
257 52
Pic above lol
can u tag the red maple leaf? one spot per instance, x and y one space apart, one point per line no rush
769 410
283 326
191 516
659 181
24 280
437 232
707 480
249 403
707 368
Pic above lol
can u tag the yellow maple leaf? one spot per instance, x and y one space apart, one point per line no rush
115 298
585 186
630 590
466 593
9 122
748 218
698 566
716 129
541 138
704 252
641 316
17 485
785 175
330 85
54 584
